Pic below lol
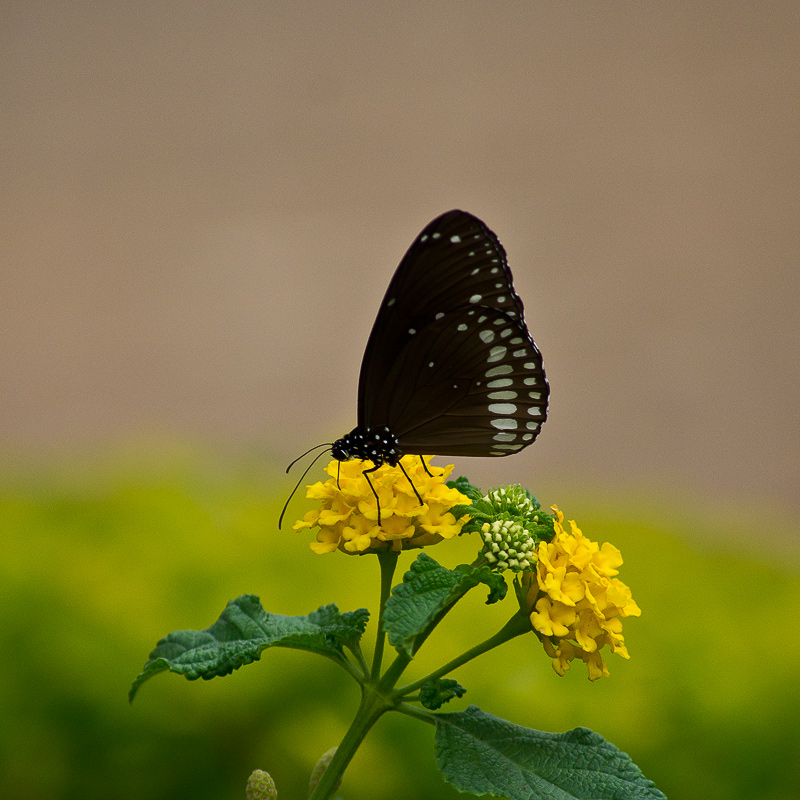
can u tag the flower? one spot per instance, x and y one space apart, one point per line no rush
348 513
575 601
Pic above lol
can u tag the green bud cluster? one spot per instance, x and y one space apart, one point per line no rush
507 545
260 786
510 521
516 501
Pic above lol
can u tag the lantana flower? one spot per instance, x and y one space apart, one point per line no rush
575 601
347 515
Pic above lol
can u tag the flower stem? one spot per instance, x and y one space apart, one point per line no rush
388 561
516 626
370 709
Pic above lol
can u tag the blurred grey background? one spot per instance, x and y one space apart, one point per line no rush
203 203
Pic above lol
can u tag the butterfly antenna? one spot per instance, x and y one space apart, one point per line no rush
302 477
327 444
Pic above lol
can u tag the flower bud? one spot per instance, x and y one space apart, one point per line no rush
260 786
319 771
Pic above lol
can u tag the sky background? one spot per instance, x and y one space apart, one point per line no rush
203 203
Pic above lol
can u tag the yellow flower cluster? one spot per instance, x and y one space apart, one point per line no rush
347 516
576 602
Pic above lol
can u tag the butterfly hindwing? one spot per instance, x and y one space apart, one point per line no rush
478 387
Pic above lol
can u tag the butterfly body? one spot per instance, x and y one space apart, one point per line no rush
378 445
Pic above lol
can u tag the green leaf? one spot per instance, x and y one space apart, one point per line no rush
427 593
243 631
465 487
483 754
434 694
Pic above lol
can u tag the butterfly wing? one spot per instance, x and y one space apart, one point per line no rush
450 366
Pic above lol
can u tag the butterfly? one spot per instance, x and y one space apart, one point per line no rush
450 367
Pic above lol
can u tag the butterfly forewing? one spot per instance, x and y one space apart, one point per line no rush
450 366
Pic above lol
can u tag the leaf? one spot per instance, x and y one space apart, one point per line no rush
434 694
465 487
483 754
426 594
243 631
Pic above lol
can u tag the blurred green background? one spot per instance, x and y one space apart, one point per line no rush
201 205
103 557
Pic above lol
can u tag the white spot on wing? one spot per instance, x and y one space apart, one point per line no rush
508 395
502 408
504 424
503 369
499 383
497 353
486 336
476 298
505 437
455 239
462 327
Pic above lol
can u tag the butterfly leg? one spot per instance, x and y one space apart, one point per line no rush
403 470
377 499
425 467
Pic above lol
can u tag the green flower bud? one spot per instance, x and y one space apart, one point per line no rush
260 786
319 770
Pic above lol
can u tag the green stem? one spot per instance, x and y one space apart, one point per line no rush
516 626
417 713
392 675
355 649
370 709
388 561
